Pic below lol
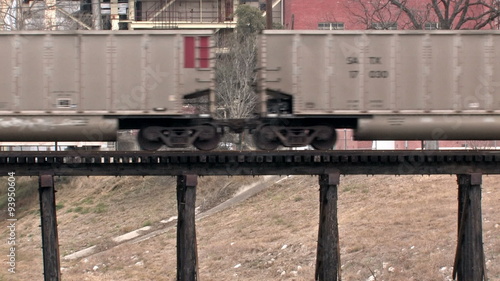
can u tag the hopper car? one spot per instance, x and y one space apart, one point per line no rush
84 86
386 85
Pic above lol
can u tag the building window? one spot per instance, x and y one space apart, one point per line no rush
331 26
431 26
384 25
196 52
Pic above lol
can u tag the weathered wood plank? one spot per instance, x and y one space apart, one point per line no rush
328 253
469 259
187 253
50 240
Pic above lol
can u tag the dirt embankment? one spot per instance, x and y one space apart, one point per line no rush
397 228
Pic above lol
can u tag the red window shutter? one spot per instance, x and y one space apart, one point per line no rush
189 52
204 52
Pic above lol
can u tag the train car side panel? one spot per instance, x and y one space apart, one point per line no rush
312 74
128 61
377 58
162 74
63 74
412 72
475 64
492 86
346 83
382 71
444 70
195 74
279 62
95 71
7 73
32 87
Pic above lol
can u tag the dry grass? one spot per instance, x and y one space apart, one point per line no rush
401 228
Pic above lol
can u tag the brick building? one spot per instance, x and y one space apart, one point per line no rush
350 14
299 14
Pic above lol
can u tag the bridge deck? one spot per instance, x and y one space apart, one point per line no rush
93 163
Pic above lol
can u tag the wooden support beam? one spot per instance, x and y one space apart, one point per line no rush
469 259
50 241
187 253
328 254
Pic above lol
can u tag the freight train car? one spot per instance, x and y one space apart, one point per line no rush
386 85
84 86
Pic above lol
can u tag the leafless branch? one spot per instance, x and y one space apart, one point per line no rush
235 75
450 14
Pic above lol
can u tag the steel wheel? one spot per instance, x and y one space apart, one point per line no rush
265 139
325 139
146 142
208 138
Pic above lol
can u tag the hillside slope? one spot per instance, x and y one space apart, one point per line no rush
399 228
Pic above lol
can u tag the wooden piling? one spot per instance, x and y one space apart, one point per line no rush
50 240
328 253
469 259
187 253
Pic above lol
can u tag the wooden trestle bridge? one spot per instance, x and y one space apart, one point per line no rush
469 166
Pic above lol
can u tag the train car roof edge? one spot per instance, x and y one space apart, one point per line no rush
109 32
382 32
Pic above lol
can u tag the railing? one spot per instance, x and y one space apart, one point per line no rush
167 14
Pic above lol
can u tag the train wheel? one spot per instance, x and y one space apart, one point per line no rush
325 139
208 138
265 139
146 141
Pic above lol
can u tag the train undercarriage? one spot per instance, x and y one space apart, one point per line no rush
173 132
267 134
203 137
270 137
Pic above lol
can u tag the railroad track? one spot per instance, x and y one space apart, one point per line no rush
399 162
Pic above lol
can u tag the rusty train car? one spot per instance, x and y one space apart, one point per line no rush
84 86
386 85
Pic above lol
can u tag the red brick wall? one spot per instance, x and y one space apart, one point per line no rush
345 141
308 13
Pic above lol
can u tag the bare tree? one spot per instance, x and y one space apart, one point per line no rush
376 14
236 67
480 144
236 64
235 74
411 14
